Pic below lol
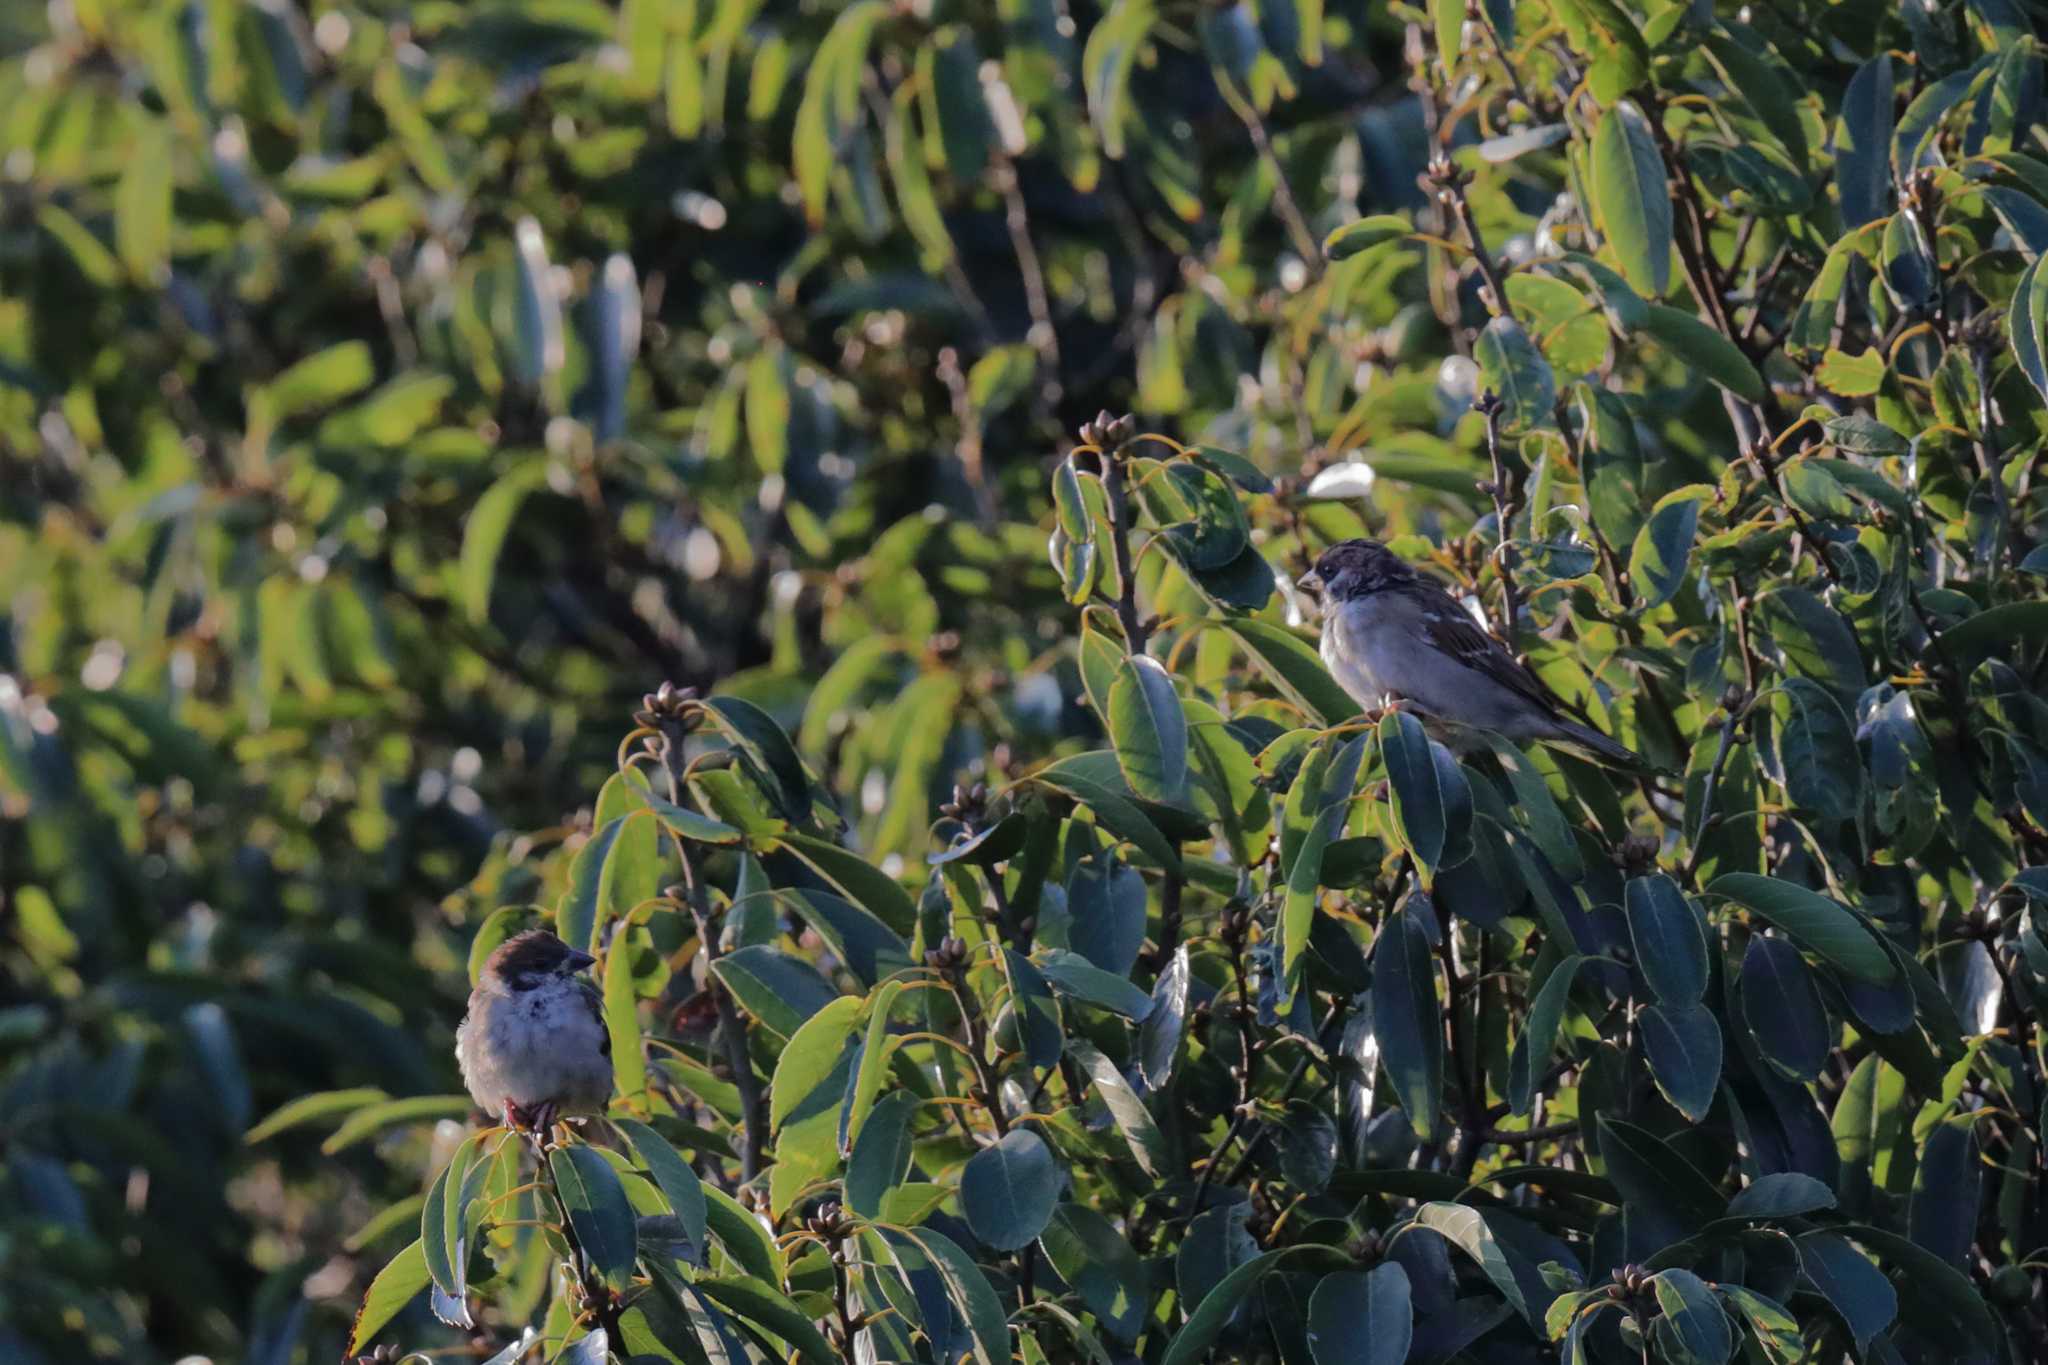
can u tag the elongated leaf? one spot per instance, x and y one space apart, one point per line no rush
1538 1038
401 1281
1693 1328
1093 1256
1364 1319
1207 1318
1149 729
1863 143
1418 800
1407 1020
1630 198
1294 667
1856 1289
1657 562
765 1306
1670 942
1128 1112
811 1055
1704 349
672 1175
484 533
1682 1043
598 1212
1821 925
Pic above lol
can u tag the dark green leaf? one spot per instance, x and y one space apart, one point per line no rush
1407 1020
1008 1190
1682 1043
1364 1319
1670 943
598 1212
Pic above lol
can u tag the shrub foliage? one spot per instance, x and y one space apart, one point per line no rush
1013 942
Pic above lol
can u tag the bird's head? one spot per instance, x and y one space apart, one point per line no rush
527 960
1354 569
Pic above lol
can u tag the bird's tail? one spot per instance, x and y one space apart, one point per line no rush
1589 743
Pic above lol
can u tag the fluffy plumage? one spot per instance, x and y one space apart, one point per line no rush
1391 633
533 1045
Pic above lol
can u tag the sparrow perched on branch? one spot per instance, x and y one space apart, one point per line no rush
533 1046
1390 633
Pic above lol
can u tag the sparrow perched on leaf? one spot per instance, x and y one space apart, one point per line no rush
533 1046
1390 633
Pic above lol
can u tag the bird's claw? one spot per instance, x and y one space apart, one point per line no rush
536 1121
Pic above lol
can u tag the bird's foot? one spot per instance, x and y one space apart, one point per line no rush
536 1121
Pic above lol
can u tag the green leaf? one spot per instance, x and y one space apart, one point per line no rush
672 1176
590 887
1419 816
969 1290
308 1108
1101 1265
1407 1019
1782 1007
685 823
2014 623
1367 233
811 1055
857 879
442 1233
1074 976
765 1306
1538 1038
874 1062
598 1212
1756 83
2026 320
401 1280
1473 1233
742 1234
142 207
325 377
1863 143
1682 1043
1149 729
1856 1289
1116 814
375 1118
1165 1020
1657 562
775 987
1693 1329
1126 1110
831 105
1941 1291
1704 349
1363 1319
1670 942
1823 772
1207 1319
881 1153
1295 668
484 533
1514 370
1824 927
1008 1190
1783 1194
1815 640
1774 1328
1629 196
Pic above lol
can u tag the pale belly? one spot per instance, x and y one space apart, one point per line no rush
528 1050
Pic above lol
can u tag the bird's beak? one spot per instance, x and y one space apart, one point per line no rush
1310 583
577 961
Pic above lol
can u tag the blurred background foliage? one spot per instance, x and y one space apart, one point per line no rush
390 395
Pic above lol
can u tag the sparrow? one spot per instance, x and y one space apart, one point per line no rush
533 1046
1391 633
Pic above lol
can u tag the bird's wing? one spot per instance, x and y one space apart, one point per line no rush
593 1000
1448 627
